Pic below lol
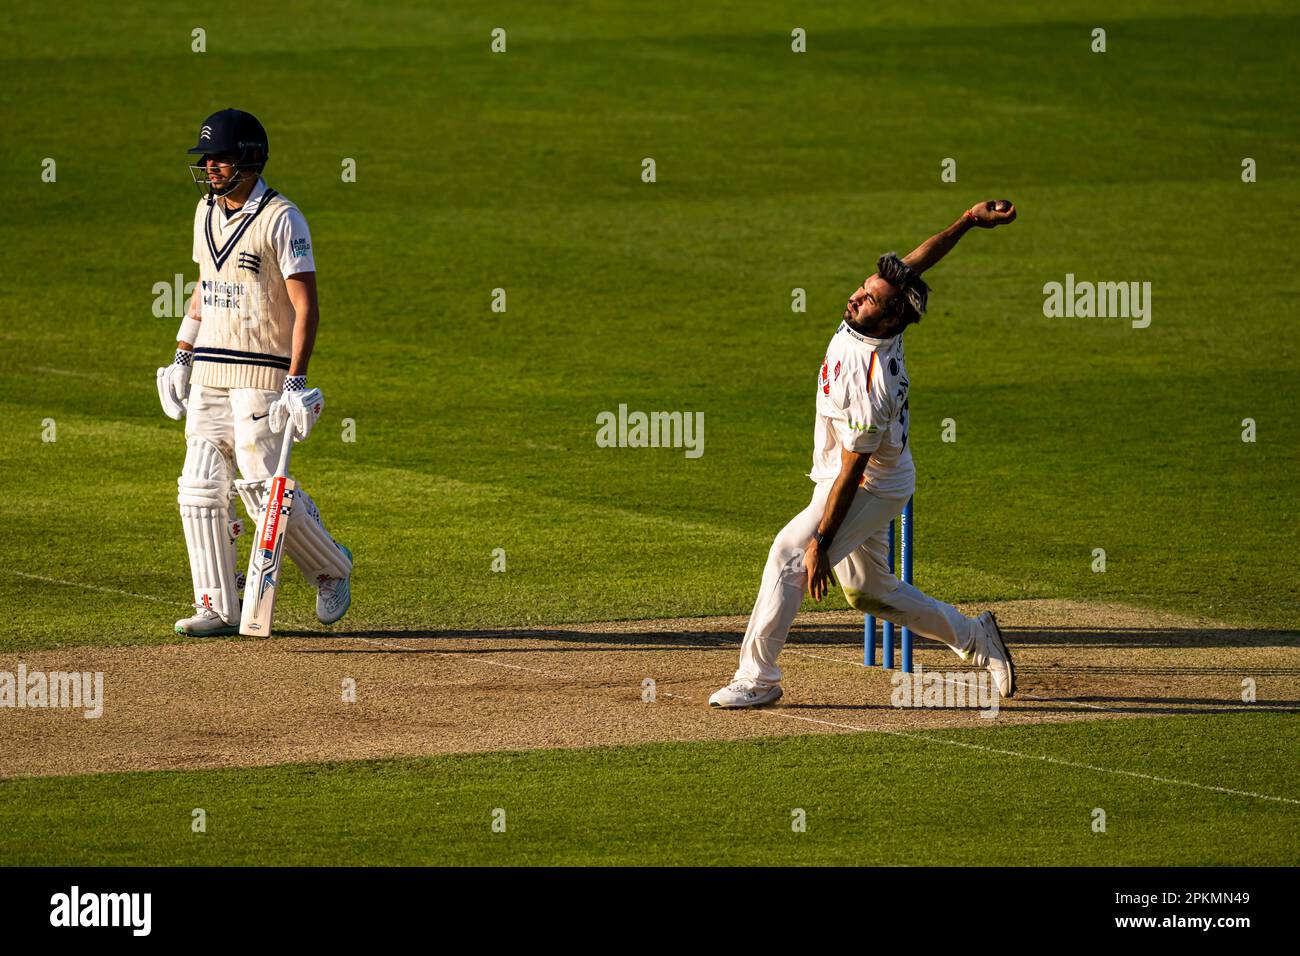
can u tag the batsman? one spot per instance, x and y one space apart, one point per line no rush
863 474
239 376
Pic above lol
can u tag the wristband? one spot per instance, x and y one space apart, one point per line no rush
183 358
189 330
967 215
295 383
821 539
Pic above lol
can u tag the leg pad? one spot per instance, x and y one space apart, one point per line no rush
208 518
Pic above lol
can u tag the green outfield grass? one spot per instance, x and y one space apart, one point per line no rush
476 431
867 798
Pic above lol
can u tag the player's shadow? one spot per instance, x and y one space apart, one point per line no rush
844 637
1130 637
416 641
1121 638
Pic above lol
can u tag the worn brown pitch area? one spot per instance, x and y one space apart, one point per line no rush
254 703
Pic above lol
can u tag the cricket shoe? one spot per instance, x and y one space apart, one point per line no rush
746 693
334 596
206 623
991 652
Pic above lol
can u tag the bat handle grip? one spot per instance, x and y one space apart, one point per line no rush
282 470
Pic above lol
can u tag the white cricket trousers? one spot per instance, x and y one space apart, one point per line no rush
237 421
860 556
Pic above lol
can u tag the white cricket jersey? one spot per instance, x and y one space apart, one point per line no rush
245 336
862 406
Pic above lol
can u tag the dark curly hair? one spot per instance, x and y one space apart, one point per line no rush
915 294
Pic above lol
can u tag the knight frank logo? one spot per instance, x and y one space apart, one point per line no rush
75 908
219 294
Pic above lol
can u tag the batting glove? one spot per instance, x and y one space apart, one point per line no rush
174 385
299 404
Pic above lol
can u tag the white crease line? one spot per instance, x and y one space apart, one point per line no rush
1052 760
821 657
95 587
1078 703
518 667
63 371
488 660
462 657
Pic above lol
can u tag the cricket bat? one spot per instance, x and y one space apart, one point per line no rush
263 581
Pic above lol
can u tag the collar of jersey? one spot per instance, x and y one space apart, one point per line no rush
253 206
873 344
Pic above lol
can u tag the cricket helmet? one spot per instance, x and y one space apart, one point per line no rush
230 131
